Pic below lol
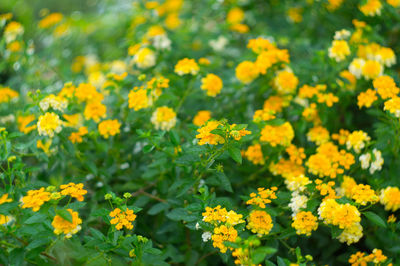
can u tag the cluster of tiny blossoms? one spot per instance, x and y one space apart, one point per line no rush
223 222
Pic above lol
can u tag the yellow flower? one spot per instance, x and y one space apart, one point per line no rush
44 146
235 15
259 222
394 3
262 197
12 31
204 61
4 219
363 194
144 58
334 4
277 135
286 82
86 92
76 137
386 87
109 128
357 140
295 14
48 124
246 72
393 106
163 118
4 199
260 44
371 8
73 190
62 226
254 154
35 198
95 110
186 66
172 21
304 223
221 234
73 120
366 98
7 94
372 69
212 84
296 154
122 218
138 99
23 121
205 135
201 118
390 198
50 20
339 50
215 215
318 134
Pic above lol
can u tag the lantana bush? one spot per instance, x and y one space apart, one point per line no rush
199 132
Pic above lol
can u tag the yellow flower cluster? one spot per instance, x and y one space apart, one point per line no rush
339 50
367 98
296 154
24 121
329 161
357 140
4 199
246 72
224 223
259 222
48 124
277 135
62 226
206 137
223 233
7 94
163 118
363 194
212 84
122 218
109 128
362 259
304 223
186 66
390 198
318 135
286 82
345 216
262 197
76 137
254 154
73 190
35 199
201 118
393 106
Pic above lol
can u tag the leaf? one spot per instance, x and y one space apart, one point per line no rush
235 153
260 253
376 219
225 182
159 207
148 148
36 218
66 215
281 262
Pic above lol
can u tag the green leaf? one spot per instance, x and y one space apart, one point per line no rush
260 253
281 262
36 218
376 219
148 148
157 208
225 182
235 153
65 215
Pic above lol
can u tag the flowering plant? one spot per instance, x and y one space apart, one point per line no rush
199 132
